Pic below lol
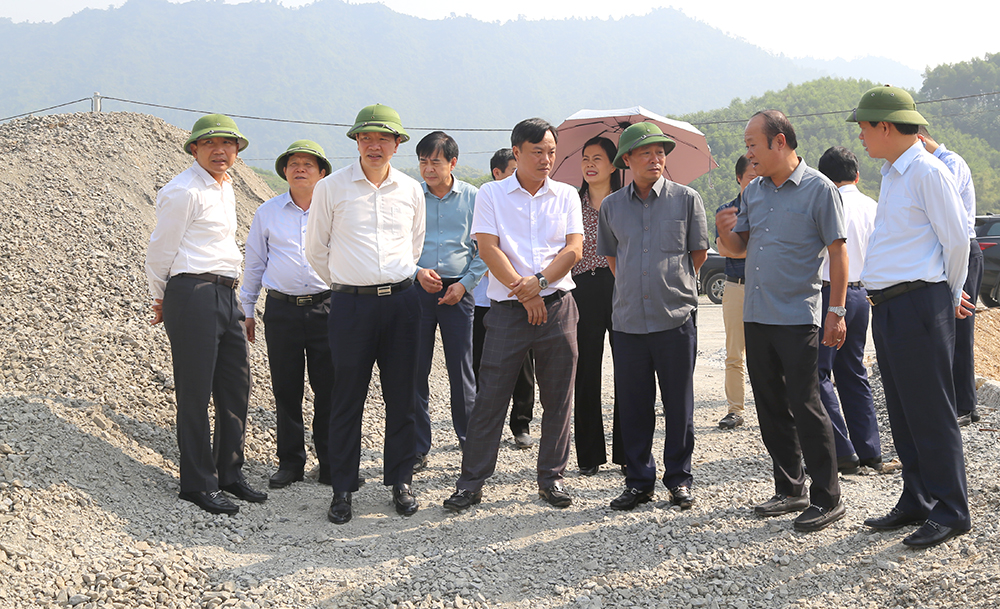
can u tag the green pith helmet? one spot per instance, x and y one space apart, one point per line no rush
215 125
890 104
306 146
638 135
378 118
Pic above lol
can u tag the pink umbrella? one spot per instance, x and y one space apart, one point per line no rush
690 159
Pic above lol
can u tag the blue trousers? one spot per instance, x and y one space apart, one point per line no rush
855 427
363 330
964 368
915 345
455 322
641 359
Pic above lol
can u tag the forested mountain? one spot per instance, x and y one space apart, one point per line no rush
324 61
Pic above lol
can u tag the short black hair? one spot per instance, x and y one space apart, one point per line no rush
611 151
741 166
903 128
839 164
776 122
531 130
501 158
438 141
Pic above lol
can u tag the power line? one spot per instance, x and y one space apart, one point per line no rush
7 118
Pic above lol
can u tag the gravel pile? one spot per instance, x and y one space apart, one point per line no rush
88 459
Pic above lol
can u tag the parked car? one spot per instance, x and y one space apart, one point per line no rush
988 235
712 277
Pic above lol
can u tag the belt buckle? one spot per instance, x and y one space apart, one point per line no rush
303 300
384 290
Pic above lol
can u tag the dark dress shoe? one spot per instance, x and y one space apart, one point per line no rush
873 462
782 504
214 501
340 508
241 490
462 499
630 499
731 421
893 520
816 518
284 477
681 495
967 418
931 534
420 464
523 440
848 465
555 495
590 471
404 500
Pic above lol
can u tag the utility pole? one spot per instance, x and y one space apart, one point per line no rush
95 102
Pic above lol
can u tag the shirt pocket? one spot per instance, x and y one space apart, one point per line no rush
899 212
555 229
673 236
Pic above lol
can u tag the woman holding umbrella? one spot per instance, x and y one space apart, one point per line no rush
595 285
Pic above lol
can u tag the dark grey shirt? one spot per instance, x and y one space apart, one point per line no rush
655 284
790 226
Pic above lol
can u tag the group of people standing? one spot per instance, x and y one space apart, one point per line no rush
364 265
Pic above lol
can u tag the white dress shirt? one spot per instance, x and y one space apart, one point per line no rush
963 181
920 226
276 253
859 218
360 234
195 229
532 228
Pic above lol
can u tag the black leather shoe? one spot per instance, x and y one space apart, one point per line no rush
214 501
681 495
340 508
284 477
462 499
893 520
967 418
873 462
848 465
590 471
421 463
931 534
523 440
404 500
241 490
731 421
555 495
816 518
630 499
782 504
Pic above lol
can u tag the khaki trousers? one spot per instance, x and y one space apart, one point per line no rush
732 318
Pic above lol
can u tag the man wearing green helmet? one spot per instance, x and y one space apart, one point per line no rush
295 312
192 264
915 267
364 237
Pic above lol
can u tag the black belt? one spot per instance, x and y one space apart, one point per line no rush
731 279
850 284
229 282
447 281
372 290
301 301
879 296
554 296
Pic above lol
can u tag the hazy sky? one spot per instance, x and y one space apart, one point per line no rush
964 29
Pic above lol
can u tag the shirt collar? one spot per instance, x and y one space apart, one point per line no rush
511 184
848 188
658 187
796 175
358 174
209 178
904 159
427 191
287 201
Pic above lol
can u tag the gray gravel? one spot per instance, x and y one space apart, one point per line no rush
88 457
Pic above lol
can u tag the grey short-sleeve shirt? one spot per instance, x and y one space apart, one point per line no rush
790 226
656 288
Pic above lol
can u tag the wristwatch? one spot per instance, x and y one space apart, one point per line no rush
840 311
542 281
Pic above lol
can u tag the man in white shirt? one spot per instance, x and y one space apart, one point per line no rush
855 426
364 237
192 265
964 368
295 312
914 270
530 234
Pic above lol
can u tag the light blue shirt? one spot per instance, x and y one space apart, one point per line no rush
276 253
963 181
449 248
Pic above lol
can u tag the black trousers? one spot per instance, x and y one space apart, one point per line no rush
593 293
782 362
297 336
964 368
365 329
524 388
208 346
914 342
